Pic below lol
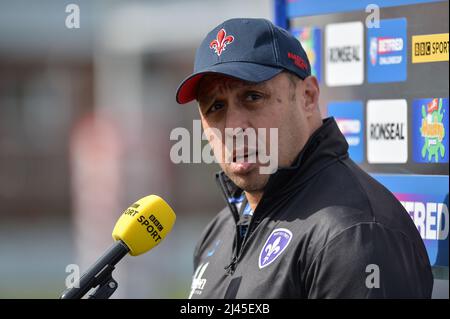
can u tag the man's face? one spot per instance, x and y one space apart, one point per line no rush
278 103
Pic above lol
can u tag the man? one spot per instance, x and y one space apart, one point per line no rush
317 227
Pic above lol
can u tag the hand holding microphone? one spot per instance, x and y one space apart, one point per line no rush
141 227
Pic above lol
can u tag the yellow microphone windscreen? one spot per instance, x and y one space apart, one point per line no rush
144 224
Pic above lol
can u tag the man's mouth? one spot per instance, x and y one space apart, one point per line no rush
245 157
243 162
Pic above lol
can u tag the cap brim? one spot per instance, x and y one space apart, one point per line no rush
251 72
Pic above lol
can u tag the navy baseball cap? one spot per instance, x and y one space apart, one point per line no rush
252 50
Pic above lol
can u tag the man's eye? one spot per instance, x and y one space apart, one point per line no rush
253 96
215 107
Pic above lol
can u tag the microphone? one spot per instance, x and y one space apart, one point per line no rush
141 227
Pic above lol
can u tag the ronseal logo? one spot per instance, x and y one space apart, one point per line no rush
430 130
344 54
387 131
386 49
349 118
430 48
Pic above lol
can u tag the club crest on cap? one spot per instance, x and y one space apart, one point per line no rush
221 41
277 242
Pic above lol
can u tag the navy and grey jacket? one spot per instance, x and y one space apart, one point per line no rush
323 229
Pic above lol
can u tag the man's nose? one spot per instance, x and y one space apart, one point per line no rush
237 117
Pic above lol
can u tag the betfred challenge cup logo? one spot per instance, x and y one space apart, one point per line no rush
432 130
221 41
276 243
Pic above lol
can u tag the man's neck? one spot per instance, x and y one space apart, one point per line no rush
253 199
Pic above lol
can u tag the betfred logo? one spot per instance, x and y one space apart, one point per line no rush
425 199
389 45
382 46
344 54
386 49
430 218
430 215
349 118
349 126
387 131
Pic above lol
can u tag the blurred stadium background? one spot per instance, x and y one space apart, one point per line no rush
85 118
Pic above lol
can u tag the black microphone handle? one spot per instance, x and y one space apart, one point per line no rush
111 257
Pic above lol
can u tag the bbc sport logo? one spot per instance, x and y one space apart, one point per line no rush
386 51
430 130
429 48
349 118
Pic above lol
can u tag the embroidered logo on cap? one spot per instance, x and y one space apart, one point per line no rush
298 61
221 41
276 243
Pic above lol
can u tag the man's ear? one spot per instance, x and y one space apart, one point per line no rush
311 91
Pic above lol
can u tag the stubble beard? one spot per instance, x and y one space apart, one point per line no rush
251 182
